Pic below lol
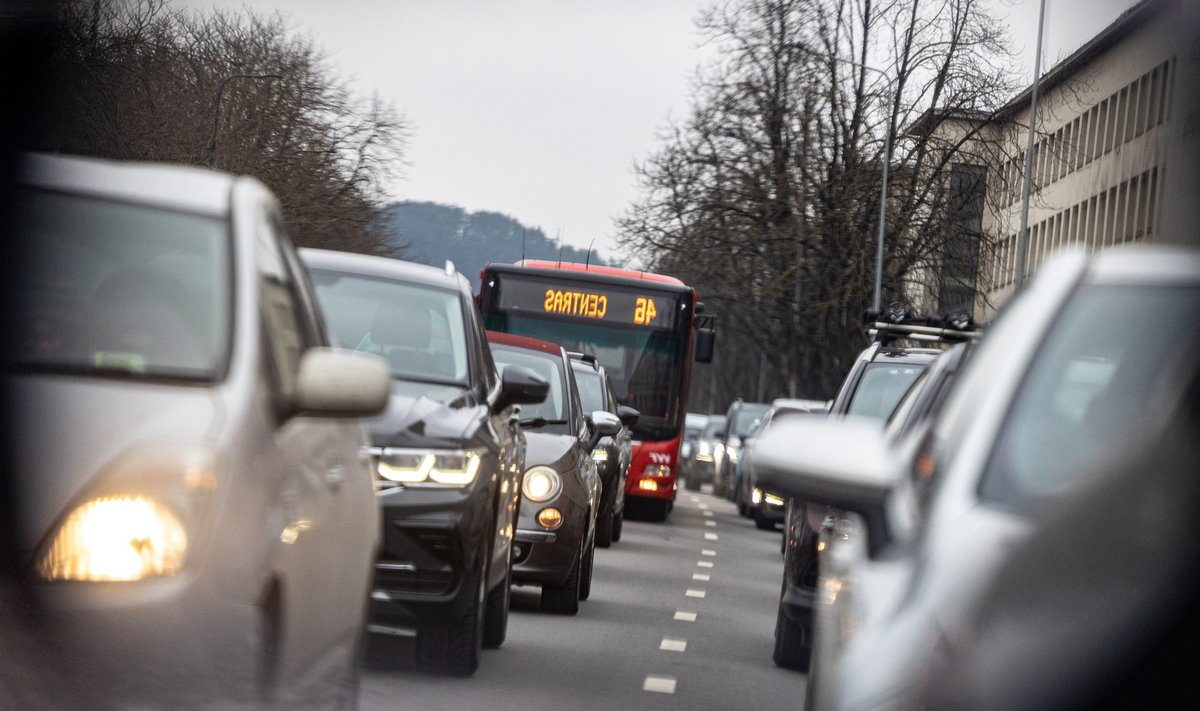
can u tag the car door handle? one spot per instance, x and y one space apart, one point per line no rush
335 474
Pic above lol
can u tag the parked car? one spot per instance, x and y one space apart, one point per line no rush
611 454
877 381
740 420
703 462
1043 405
555 540
447 452
191 466
766 508
693 426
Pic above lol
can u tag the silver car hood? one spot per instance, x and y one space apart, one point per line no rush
71 429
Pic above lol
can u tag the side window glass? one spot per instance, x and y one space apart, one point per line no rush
282 325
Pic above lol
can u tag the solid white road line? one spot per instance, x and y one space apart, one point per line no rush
704 564
659 684
701 577
692 592
670 644
706 551
685 616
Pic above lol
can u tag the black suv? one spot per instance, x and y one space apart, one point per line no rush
448 452
879 379
611 454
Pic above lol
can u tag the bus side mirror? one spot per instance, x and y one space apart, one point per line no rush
705 340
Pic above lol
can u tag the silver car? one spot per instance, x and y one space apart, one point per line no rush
1087 362
197 503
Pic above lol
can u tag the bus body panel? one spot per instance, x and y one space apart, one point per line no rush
650 456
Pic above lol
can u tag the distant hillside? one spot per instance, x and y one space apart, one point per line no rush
432 233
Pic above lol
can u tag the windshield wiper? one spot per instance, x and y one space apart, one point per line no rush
541 422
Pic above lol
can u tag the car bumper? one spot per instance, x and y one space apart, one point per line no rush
700 471
542 557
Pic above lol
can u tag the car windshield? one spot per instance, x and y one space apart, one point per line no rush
118 289
549 367
418 329
591 388
882 387
746 419
1112 352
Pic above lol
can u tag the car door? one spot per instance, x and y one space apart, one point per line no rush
320 537
624 440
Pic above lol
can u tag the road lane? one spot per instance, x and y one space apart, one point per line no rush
643 640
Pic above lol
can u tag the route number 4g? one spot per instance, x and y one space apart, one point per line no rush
644 311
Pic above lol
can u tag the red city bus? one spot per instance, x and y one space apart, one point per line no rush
639 326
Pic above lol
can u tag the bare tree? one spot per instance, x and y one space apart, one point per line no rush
233 91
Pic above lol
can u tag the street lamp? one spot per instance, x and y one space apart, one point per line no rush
1027 179
212 141
887 159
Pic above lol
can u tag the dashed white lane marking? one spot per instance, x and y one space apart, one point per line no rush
692 592
710 537
685 616
659 684
710 523
695 500
704 564
702 506
708 513
670 644
701 577
706 551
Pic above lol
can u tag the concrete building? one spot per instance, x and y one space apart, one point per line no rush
1116 158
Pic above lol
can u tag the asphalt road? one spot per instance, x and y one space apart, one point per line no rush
635 643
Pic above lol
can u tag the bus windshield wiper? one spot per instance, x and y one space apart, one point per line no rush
540 422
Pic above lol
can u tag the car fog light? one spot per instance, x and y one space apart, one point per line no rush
550 518
648 485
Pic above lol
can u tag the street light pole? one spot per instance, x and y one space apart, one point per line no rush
1026 181
887 159
212 141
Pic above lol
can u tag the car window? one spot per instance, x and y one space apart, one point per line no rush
882 386
714 428
745 419
1110 353
554 407
418 329
121 288
591 390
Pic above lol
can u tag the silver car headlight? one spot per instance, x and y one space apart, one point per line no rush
541 484
140 520
424 467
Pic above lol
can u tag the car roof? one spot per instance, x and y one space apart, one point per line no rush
501 338
900 354
384 268
784 403
1145 264
162 185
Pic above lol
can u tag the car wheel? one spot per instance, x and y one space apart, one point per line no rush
792 649
585 580
604 530
618 522
692 483
454 648
659 510
564 599
495 616
762 522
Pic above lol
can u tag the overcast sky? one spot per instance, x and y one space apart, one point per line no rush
539 108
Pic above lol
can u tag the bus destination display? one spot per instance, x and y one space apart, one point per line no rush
587 301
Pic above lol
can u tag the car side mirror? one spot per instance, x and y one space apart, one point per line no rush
520 386
337 382
843 463
628 415
706 339
606 423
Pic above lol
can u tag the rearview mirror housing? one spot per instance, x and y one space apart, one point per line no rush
338 382
843 463
606 423
520 386
628 415
705 343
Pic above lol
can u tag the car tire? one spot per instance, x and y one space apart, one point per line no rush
604 530
761 522
618 523
454 648
585 579
656 511
564 599
495 616
692 483
792 650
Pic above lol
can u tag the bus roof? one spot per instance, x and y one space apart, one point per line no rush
609 271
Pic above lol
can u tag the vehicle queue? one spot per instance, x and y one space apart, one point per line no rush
303 448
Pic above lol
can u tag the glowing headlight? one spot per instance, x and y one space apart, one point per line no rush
756 496
412 466
541 484
774 500
718 450
733 454
599 455
116 538
704 450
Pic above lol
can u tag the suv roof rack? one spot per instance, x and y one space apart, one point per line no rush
897 323
585 357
